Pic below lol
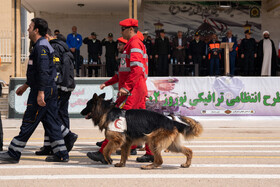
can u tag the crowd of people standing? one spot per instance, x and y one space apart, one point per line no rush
189 57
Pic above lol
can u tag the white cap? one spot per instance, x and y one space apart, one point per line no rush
145 32
265 32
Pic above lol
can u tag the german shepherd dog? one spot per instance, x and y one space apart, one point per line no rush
159 131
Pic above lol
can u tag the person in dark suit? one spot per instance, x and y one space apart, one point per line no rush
248 51
179 53
232 51
197 52
162 54
111 55
94 52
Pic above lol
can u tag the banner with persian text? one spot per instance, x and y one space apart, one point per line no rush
207 96
189 96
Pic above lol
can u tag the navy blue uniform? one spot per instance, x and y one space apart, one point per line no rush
41 73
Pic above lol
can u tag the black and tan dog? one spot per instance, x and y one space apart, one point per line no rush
157 130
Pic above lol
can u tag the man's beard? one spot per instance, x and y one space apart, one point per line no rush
266 37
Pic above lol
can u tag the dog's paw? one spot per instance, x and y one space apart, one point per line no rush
119 165
146 167
185 165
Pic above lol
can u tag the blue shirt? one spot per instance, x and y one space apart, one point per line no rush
74 41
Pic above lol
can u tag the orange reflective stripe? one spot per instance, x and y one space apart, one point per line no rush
212 46
217 45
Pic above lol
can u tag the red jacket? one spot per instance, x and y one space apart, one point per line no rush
132 75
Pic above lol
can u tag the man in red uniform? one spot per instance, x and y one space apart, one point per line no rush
132 76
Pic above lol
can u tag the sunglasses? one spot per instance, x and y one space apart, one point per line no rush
123 28
121 44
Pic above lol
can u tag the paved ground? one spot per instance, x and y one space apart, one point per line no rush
230 152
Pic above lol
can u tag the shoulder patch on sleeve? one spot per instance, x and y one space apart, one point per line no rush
43 52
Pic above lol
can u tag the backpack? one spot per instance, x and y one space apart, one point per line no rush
65 72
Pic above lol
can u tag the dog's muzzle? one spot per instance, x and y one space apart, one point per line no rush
88 116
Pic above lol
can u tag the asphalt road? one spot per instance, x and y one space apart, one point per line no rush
232 151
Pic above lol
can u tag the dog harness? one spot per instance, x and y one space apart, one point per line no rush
178 119
119 125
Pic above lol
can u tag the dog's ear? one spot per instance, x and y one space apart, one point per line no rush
95 97
102 95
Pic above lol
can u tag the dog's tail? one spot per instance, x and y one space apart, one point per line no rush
188 127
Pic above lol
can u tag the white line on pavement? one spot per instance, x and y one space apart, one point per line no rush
185 142
196 151
143 176
190 146
138 165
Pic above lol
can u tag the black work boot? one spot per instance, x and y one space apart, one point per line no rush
54 158
70 139
5 158
46 150
145 158
99 144
98 156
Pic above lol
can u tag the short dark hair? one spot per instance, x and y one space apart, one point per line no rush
61 37
56 30
49 32
41 25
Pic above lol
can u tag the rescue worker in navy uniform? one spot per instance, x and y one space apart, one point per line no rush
42 99
248 51
65 84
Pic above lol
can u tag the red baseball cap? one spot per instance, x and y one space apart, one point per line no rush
130 22
121 39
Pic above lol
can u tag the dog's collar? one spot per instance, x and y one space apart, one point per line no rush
123 113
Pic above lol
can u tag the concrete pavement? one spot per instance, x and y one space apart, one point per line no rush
232 151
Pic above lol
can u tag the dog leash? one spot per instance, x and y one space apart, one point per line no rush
123 103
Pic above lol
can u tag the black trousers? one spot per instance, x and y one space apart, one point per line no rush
111 66
162 65
152 67
34 114
76 55
248 64
63 115
93 59
198 60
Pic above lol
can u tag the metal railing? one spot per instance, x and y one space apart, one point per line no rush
6 46
24 47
